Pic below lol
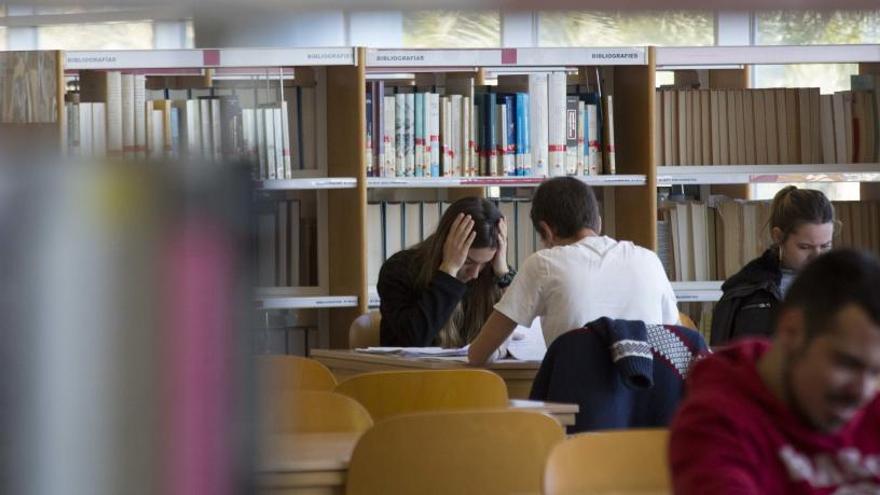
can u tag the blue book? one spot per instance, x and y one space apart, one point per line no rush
175 132
522 120
509 154
369 139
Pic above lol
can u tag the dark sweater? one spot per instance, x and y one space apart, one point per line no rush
412 317
622 374
749 301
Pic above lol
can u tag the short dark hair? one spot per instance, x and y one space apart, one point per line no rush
567 205
832 281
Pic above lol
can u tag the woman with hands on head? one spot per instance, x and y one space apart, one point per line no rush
440 291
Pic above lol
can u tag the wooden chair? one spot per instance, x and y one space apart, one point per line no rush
388 393
313 412
686 321
282 373
364 330
485 452
622 462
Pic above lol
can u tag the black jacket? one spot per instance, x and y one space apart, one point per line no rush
412 317
750 301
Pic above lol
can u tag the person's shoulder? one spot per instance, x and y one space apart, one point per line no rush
401 263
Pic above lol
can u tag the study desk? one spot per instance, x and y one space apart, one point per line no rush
518 375
317 463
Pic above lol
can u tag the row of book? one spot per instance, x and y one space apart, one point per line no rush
765 126
286 239
394 226
700 242
111 115
545 131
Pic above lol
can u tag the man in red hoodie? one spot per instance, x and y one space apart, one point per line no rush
798 415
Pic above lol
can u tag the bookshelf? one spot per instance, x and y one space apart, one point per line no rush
329 180
729 68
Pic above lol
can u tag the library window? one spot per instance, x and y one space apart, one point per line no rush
622 28
451 29
101 36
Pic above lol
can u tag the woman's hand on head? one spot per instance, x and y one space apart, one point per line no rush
457 244
499 262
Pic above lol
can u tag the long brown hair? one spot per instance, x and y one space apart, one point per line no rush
470 314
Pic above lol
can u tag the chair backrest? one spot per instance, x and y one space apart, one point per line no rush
388 393
364 330
623 462
280 373
485 452
313 412
686 321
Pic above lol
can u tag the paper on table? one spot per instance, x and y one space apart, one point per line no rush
528 343
416 351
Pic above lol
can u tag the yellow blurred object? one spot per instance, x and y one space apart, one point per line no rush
364 330
314 412
624 462
686 321
388 393
485 452
290 373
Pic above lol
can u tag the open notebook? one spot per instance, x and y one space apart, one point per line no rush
525 344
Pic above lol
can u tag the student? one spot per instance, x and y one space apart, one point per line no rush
802 227
580 277
441 291
800 414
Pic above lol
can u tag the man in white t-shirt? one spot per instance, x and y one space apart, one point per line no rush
580 277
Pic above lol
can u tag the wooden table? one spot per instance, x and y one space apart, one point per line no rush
518 375
317 463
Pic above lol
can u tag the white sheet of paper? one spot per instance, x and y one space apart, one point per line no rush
527 343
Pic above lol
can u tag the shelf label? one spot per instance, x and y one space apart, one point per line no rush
131 59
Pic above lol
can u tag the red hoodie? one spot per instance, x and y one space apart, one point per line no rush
732 436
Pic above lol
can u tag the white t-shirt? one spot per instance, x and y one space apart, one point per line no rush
570 286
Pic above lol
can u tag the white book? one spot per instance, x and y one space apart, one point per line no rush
409 136
594 163
140 115
285 141
685 238
207 152
157 134
278 129
128 118
455 133
149 128
248 134
99 130
556 100
465 142
445 165
269 142
827 126
73 128
400 134
581 138
393 221
474 128
114 113
430 218
85 129
700 223
538 123
216 131
389 117
610 161
260 135
412 224
434 137
375 237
